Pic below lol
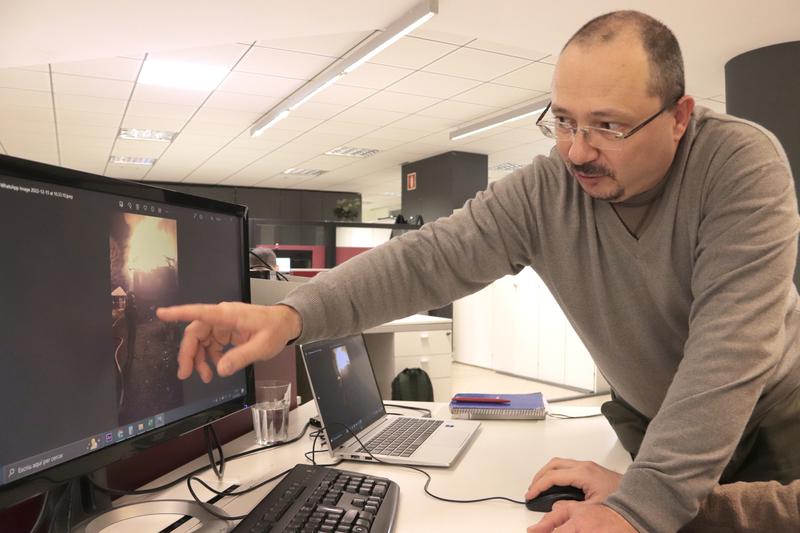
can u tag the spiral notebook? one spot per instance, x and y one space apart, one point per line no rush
530 406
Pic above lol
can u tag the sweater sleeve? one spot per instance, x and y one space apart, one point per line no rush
424 269
749 508
741 283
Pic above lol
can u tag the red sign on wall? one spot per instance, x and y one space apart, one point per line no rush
411 181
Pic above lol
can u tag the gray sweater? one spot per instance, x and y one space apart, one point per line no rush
694 323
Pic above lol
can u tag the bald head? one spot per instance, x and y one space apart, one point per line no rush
665 62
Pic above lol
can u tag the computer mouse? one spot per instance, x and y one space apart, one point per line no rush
543 503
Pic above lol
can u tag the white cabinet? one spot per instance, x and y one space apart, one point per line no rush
417 341
516 326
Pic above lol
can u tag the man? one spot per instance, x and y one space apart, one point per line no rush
667 234
732 508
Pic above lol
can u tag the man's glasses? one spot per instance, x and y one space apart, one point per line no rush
599 138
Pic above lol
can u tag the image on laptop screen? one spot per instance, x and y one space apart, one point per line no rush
344 385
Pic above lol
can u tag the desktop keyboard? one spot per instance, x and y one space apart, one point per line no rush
402 437
317 498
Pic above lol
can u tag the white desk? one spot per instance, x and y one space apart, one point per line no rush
416 341
500 461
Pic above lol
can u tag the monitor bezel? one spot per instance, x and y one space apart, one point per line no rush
24 488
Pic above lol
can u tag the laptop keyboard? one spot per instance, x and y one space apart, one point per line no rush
402 437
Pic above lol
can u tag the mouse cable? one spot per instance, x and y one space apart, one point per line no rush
559 416
427 475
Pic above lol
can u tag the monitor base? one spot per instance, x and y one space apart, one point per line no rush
209 523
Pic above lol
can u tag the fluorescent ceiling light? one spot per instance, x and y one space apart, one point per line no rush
274 120
349 151
136 134
182 75
528 110
411 20
304 171
129 160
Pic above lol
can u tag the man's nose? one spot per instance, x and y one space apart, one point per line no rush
581 151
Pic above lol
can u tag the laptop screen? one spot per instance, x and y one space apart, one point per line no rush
344 384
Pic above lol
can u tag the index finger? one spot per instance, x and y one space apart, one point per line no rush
217 315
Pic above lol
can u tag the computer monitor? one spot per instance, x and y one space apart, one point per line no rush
89 373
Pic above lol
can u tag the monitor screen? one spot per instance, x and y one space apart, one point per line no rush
89 372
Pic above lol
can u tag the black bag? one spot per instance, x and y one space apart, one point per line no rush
412 384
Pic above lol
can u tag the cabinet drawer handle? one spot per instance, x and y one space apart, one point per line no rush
423 361
424 335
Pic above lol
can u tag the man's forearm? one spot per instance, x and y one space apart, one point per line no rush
749 507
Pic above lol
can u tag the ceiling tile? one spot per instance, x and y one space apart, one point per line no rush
374 76
126 172
500 95
423 123
139 148
400 102
37 68
375 117
168 172
341 127
235 152
333 45
413 53
173 124
10 113
440 36
433 85
243 119
536 77
215 129
271 135
318 110
398 134
23 97
260 84
241 102
323 141
343 95
296 123
490 46
187 141
461 111
92 104
69 129
15 78
14 127
156 110
69 116
258 144
368 141
86 86
328 162
86 145
220 55
476 64
168 95
117 68
283 63
94 165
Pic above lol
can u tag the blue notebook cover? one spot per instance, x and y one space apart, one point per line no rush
520 407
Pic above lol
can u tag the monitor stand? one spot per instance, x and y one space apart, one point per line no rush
78 500
209 523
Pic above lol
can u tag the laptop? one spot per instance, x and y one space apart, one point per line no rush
346 393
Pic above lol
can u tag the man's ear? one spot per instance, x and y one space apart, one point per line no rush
683 112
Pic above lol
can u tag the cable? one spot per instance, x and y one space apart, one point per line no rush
428 482
427 412
120 492
278 274
211 442
567 417
234 493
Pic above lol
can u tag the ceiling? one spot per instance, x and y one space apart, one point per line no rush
69 82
